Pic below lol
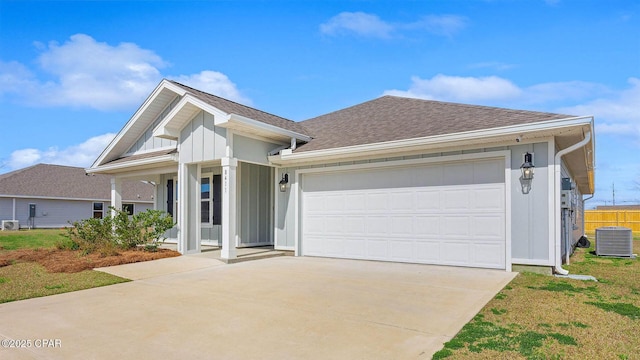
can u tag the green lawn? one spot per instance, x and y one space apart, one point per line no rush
27 280
544 317
31 239
24 280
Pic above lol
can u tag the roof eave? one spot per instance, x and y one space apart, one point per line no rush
114 168
239 122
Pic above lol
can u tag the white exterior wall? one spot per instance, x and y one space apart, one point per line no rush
54 213
201 141
254 205
530 211
252 150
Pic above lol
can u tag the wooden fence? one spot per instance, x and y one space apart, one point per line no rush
594 219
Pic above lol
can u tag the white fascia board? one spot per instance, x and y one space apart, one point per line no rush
432 141
170 126
133 164
264 127
164 84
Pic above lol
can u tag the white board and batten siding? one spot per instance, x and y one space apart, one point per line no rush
201 141
451 213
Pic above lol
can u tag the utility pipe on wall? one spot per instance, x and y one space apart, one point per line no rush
557 179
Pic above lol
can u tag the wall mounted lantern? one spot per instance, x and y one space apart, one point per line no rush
527 167
283 183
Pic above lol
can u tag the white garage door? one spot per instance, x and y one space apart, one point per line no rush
449 214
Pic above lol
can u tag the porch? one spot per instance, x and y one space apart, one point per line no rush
242 254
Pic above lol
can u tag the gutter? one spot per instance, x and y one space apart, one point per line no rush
587 138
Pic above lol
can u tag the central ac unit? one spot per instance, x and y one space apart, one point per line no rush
10 225
614 241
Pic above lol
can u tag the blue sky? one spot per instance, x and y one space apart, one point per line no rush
72 73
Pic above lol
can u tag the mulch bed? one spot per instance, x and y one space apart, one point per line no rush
68 261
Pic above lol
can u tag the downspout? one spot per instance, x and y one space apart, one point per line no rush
558 168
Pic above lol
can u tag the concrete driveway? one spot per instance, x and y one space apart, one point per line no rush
192 307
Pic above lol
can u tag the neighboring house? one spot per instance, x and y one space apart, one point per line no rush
51 196
392 179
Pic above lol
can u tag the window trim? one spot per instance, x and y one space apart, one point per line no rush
94 211
208 224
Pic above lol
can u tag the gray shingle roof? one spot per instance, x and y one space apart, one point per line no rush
391 118
231 107
56 181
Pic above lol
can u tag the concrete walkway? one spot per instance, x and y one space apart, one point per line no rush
194 307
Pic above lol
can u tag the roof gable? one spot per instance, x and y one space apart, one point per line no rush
153 106
231 107
229 114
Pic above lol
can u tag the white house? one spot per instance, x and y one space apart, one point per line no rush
391 179
52 196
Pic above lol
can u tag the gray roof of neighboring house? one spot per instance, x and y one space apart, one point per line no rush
390 118
231 107
56 181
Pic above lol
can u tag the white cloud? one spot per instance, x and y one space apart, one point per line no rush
370 25
617 106
565 91
460 89
83 72
15 77
445 25
357 22
76 155
215 83
593 98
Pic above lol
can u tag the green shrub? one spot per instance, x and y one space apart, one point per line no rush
119 231
90 235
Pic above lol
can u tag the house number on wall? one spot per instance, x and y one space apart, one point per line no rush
225 182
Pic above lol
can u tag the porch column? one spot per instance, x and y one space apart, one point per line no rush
116 195
229 230
188 209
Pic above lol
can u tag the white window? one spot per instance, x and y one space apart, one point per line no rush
210 200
